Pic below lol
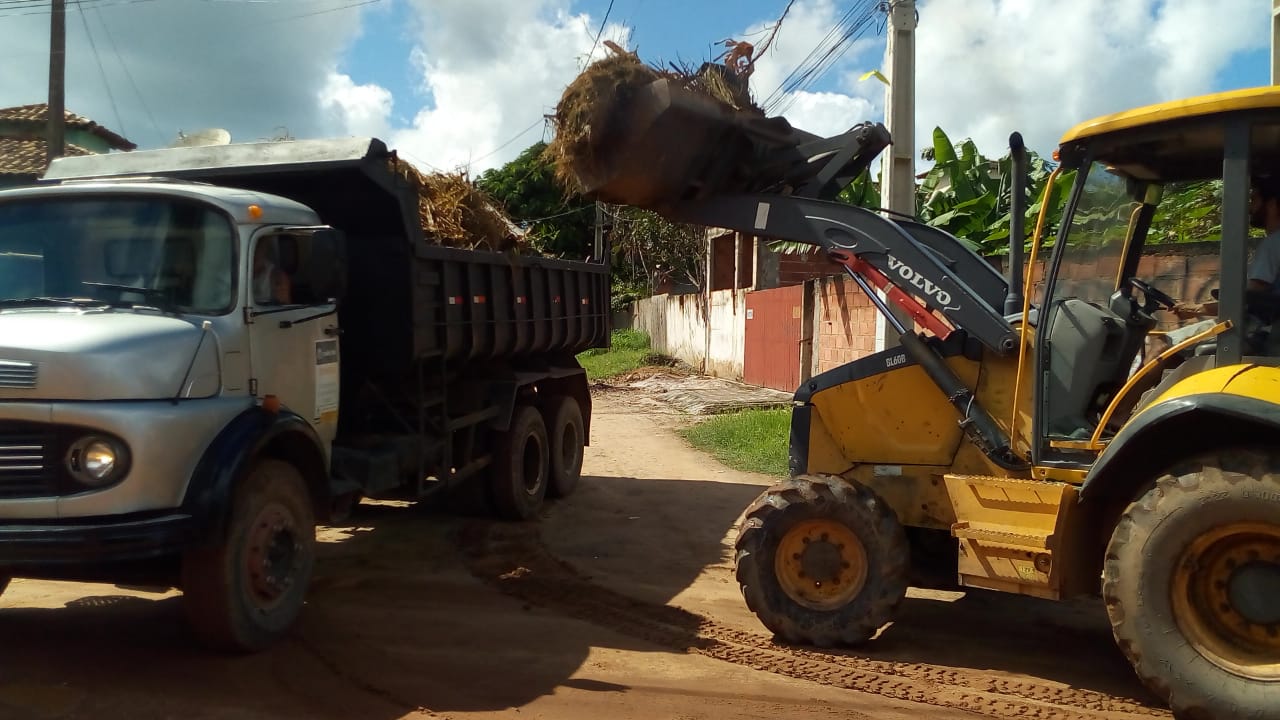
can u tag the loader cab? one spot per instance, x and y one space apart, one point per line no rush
1158 214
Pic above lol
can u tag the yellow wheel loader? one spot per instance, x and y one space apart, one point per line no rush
1020 434
1074 462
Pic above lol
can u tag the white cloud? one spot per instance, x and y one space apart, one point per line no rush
357 109
825 113
985 68
491 69
252 68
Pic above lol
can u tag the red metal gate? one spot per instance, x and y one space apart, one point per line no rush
771 348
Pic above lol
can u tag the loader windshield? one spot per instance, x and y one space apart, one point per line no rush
1096 238
171 254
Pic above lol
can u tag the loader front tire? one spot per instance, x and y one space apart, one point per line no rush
822 561
1191 578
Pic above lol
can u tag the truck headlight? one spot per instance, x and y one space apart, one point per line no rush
96 461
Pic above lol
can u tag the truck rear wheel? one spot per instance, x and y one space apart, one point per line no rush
1191 579
565 434
521 466
244 591
822 561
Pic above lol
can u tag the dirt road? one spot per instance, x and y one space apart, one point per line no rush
618 603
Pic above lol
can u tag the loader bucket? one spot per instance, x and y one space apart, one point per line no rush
665 144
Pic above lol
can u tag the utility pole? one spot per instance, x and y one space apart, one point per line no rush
898 173
57 81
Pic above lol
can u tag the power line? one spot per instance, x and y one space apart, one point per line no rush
46 11
120 59
518 135
101 70
599 32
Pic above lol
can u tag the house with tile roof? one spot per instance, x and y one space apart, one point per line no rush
23 133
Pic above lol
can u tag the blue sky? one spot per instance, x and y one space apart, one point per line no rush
462 84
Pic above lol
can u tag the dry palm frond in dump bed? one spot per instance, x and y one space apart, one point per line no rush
592 110
456 213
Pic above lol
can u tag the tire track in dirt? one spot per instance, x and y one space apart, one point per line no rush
513 560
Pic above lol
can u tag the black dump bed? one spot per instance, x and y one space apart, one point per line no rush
407 296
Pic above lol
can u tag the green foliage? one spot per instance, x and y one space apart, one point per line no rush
968 195
748 440
1189 212
649 250
629 350
558 224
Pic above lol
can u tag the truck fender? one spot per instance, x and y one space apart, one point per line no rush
252 434
1173 430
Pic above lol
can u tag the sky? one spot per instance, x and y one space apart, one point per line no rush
466 84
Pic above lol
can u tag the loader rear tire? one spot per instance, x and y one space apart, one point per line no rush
1190 581
822 561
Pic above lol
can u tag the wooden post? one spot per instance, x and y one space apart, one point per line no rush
56 143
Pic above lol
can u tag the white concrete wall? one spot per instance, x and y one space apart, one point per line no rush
728 333
677 326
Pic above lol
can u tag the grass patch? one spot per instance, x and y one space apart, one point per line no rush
629 351
749 440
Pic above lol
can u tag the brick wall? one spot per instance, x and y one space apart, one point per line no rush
845 323
722 264
796 268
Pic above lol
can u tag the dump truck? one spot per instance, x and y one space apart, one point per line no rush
205 351
1016 437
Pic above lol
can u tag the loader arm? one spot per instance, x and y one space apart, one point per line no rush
921 273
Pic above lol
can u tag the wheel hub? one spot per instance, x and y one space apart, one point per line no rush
272 557
1225 598
821 564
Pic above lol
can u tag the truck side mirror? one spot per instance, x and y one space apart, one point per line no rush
326 264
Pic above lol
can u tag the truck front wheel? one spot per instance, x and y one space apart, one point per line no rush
822 561
521 466
245 590
1191 579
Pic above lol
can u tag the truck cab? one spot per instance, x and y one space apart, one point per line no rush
133 349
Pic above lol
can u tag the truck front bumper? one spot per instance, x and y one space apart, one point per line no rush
70 543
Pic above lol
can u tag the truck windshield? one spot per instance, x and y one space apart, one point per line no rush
1095 238
173 254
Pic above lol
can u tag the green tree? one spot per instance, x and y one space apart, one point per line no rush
558 223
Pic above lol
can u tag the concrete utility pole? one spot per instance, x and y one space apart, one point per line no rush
57 81
898 179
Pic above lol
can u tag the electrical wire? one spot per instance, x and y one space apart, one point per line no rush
84 19
120 59
600 32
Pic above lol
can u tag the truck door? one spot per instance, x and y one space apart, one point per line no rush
293 330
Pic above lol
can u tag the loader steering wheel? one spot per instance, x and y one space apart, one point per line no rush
1152 295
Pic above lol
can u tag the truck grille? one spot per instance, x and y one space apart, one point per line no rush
17 374
27 468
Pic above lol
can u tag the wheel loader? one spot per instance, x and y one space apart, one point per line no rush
1019 434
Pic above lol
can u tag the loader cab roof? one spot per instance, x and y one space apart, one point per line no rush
1179 140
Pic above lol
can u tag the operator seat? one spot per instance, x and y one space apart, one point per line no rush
1090 350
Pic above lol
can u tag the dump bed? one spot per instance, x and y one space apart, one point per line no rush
407 296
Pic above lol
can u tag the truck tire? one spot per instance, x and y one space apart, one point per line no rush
565 435
1190 582
521 466
244 591
822 561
